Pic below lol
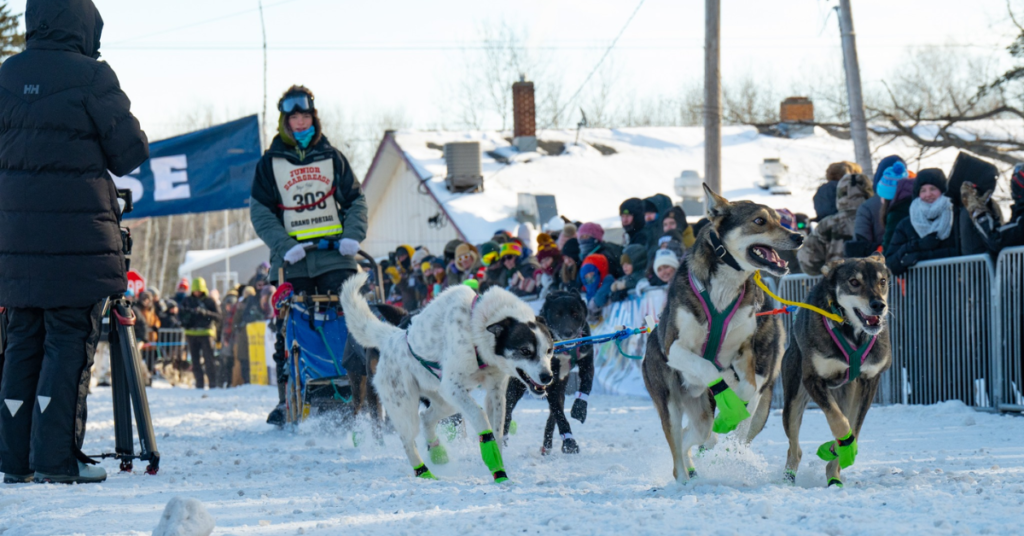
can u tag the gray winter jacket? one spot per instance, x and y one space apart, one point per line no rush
268 222
869 224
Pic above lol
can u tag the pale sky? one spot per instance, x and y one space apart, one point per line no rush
174 57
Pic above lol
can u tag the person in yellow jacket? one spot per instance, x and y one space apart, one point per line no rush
199 315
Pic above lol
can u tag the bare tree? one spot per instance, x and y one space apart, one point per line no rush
12 40
483 96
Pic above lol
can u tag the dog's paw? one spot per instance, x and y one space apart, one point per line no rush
835 482
789 477
438 455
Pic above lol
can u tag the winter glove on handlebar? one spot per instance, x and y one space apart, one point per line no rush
731 409
347 246
296 254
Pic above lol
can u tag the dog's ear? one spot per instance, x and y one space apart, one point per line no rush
877 256
541 321
831 267
500 327
715 203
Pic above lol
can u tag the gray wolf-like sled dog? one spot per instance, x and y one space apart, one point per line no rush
710 349
457 343
837 365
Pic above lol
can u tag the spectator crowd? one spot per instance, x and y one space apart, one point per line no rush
908 216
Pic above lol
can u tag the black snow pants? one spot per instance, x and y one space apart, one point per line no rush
47 363
201 349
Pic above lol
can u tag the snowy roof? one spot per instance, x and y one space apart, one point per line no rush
589 185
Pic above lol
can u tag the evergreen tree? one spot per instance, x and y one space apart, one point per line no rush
12 40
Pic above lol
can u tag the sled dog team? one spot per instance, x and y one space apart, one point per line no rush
709 351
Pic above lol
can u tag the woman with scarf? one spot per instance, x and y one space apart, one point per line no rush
927 233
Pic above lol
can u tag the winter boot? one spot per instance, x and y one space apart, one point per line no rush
569 445
86 474
18 479
277 417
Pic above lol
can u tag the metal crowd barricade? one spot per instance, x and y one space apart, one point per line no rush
794 287
1008 326
942 319
169 345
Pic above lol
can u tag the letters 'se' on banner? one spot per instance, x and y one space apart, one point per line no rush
202 171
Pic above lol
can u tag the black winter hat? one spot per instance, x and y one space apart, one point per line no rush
571 249
649 206
933 176
633 205
969 168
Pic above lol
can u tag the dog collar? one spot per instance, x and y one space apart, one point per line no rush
721 252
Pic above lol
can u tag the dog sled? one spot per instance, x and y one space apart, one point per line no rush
315 337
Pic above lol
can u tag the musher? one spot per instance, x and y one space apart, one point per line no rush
305 192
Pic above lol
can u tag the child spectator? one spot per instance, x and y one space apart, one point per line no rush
597 282
666 264
634 265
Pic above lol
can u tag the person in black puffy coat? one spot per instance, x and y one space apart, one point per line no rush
65 122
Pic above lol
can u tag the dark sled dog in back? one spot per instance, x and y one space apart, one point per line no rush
709 349
838 365
566 316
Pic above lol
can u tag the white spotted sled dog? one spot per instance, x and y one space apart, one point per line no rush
837 364
710 349
457 343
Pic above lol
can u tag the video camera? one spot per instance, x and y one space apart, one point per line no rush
124 200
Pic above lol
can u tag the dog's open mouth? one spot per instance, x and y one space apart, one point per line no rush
868 321
769 258
534 387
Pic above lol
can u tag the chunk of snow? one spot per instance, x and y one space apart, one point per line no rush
185 516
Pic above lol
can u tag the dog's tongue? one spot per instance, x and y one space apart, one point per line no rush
771 256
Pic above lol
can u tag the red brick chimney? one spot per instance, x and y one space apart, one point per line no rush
524 115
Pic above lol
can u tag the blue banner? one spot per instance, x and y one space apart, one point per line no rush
202 171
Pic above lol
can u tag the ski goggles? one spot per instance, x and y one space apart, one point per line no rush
489 258
465 258
295 101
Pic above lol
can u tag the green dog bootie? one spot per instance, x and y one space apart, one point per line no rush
438 454
512 427
731 410
423 472
835 482
492 456
845 449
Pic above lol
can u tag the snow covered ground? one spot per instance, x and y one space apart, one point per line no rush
941 469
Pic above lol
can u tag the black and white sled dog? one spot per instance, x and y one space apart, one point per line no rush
709 348
457 343
565 314
838 365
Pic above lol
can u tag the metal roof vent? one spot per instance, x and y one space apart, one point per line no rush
463 160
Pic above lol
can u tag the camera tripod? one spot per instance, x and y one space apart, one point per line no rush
126 385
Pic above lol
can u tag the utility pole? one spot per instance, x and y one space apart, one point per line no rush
858 123
263 118
712 96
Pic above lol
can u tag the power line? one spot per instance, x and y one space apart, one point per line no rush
194 24
431 48
594 70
